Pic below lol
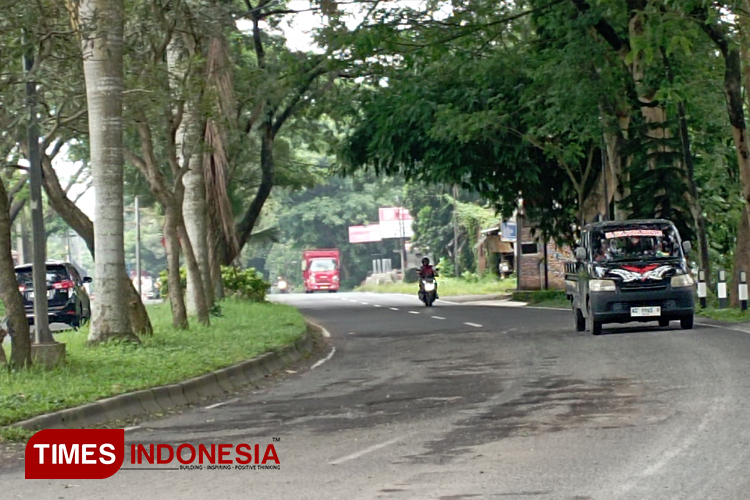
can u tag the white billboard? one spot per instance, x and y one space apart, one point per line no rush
395 222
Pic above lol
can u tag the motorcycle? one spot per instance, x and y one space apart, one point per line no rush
428 290
283 286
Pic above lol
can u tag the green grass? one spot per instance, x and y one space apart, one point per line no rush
243 331
448 287
543 298
730 314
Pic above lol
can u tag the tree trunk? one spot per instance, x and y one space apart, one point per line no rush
193 270
246 225
215 263
194 214
741 254
176 299
102 23
17 326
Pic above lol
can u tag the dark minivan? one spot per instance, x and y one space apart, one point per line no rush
67 299
630 271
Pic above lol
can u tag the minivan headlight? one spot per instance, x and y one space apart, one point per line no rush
682 280
602 286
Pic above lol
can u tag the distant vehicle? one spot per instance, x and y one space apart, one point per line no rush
282 285
630 271
67 299
320 270
428 290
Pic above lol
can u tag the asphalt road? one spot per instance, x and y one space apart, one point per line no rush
468 402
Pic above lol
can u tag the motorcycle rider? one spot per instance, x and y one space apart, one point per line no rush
424 272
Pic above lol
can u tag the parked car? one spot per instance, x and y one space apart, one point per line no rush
67 299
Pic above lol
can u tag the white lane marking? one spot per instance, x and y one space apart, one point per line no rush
378 305
438 317
476 325
132 428
363 303
394 308
413 312
325 332
320 362
210 407
365 451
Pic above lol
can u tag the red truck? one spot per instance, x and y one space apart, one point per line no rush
320 269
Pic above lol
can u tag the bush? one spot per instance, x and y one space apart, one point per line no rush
470 277
247 284
164 278
411 275
446 267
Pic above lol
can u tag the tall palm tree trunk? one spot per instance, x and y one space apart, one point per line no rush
102 26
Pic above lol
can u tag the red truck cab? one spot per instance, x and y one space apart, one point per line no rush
320 270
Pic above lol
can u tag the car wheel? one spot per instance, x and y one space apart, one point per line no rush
663 322
580 320
595 327
687 323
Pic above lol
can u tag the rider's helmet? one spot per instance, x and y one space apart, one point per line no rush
425 261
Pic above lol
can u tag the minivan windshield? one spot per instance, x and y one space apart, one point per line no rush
635 243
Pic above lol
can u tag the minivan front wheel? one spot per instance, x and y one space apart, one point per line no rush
594 326
579 319
687 323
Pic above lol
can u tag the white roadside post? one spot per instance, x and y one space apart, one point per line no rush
743 290
721 289
702 289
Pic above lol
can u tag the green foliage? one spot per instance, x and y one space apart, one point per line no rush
246 284
164 278
446 267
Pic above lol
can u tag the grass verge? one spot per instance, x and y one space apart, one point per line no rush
448 287
244 330
730 314
543 298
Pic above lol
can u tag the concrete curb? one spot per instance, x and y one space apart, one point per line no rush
214 384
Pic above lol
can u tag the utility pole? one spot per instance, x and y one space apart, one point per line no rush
42 334
138 243
455 230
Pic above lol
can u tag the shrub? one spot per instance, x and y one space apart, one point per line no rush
164 278
247 284
446 267
470 277
411 275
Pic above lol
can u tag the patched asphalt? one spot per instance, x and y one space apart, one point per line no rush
464 401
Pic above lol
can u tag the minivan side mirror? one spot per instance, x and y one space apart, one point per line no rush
580 253
686 246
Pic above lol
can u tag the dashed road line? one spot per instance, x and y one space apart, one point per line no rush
413 312
132 428
475 325
438 317
364 303
378 305
365 451
393 308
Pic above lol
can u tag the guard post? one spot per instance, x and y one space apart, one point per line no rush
721 289
743 290
702 290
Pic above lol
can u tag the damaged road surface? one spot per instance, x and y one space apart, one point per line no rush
467 402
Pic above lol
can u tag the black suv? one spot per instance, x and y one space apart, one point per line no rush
67 299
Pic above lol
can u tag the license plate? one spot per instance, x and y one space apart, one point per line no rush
324 286
50 294
645 311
